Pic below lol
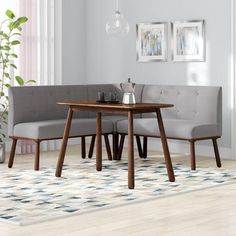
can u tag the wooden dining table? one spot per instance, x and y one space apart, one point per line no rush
115 108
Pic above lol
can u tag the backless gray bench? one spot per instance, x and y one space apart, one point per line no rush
35 115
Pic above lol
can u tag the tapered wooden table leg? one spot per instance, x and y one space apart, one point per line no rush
64 143
131 183
99 142
165 147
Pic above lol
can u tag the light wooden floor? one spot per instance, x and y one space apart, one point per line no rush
207 212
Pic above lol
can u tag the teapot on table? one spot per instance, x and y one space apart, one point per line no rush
128 90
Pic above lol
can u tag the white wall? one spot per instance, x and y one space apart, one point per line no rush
113 60
90 56
73 42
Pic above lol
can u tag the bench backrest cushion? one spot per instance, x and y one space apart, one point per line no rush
201 104
37 103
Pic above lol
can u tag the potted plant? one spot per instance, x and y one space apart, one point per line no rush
10 30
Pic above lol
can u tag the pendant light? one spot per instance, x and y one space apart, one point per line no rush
117 26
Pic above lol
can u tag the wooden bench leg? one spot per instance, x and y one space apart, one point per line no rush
140 151
109 155
107 143
216 150
192 155
91 148
12 153
83 147
115 141
145 139
122 140
37 155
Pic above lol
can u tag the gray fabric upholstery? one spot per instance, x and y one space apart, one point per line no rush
37 103
174 128
54 128
114 120
200 104
34 113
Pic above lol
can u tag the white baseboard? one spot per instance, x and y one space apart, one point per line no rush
153 144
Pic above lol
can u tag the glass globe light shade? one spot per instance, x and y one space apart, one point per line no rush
117 25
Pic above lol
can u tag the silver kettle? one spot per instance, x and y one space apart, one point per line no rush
128 90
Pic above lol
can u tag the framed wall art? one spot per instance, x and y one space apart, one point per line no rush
151 41
188 40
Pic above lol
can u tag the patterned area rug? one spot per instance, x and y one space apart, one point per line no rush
28 196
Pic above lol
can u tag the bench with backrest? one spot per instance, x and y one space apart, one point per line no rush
35 115
197 115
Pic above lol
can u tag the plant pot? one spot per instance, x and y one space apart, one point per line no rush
2 152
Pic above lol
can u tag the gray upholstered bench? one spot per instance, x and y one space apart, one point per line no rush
197 115
35 115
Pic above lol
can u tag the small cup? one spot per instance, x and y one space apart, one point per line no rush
112 97
101 96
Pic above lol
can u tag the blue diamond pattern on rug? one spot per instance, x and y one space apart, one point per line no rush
29 196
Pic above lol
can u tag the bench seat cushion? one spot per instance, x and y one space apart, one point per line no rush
114 120
50 129
184 129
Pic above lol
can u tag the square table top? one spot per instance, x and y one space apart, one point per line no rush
91 105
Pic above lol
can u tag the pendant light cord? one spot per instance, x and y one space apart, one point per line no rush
117 5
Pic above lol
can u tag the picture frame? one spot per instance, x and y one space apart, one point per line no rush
188 40
151 41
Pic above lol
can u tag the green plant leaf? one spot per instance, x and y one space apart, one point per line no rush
7 48
14 55
15 42
16 24
14 66
2 94
4 115
4 35
7 85
10 14
19 28
16 34
10 25
30 81
19 80
6 75
6 61
22 19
